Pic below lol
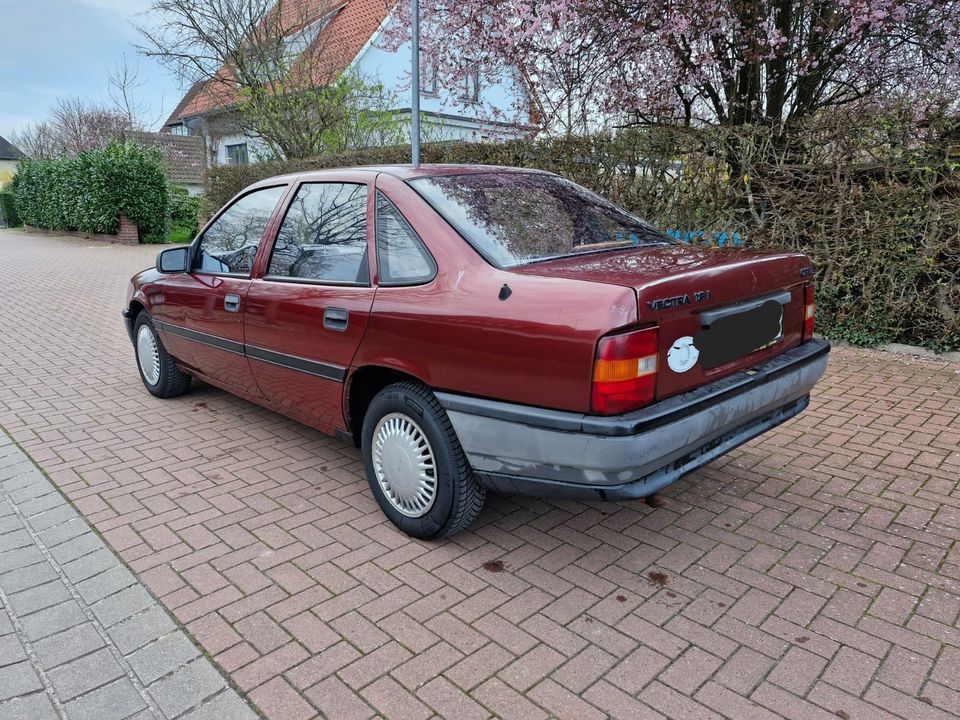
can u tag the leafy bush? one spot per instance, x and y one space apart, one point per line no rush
873 197
183 211
90 191
8 208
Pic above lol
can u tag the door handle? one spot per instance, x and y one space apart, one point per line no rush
231 302
335 319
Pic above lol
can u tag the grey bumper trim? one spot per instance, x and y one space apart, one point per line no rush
652 483
656 445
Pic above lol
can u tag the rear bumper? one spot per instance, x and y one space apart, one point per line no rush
128 322
532 451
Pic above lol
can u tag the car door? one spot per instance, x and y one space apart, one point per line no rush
306 315
201 317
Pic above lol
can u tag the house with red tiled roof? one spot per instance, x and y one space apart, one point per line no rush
351 33
10 157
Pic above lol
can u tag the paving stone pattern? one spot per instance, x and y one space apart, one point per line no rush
80 637
811 574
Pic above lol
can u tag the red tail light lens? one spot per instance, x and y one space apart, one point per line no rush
809 310
625 371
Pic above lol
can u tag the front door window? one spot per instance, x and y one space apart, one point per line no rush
230 244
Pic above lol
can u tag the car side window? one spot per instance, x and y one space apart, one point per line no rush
323 238
401 255
230 244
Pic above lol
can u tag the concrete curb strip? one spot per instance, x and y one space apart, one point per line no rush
74 630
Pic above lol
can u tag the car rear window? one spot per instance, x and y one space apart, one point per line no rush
515 218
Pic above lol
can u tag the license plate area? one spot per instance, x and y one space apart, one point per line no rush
732 333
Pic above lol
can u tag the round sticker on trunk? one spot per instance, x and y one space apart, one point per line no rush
683 355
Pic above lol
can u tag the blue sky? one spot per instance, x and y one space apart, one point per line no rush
62 48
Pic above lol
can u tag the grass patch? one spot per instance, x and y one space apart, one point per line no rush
178 236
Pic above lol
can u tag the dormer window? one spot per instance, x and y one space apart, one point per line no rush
298 43
269 63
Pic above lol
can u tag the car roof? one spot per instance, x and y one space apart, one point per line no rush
404 172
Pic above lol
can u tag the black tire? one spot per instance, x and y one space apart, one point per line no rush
172 382
458 498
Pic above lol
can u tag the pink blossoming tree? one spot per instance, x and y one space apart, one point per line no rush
693 61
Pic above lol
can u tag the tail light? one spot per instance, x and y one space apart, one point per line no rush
809 310
625 371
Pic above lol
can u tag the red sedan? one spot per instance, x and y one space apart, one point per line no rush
475 328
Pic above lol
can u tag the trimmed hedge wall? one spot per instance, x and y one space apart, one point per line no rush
8 209
184 210
90 191
874 199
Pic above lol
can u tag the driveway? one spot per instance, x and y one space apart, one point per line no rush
813 573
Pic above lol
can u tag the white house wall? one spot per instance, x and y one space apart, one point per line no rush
449 117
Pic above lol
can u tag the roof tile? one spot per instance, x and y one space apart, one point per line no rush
340 42
184 155
9 151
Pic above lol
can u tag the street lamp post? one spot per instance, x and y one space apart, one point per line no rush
415 81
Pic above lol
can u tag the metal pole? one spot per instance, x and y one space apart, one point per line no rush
415 81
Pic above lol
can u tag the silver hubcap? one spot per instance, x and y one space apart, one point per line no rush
404 465
148 355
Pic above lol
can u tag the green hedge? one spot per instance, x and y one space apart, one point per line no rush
90 191
8 209
225 181
183 210
880 217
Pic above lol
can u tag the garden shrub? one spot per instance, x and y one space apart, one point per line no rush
183 210
90 191
872 196
8 208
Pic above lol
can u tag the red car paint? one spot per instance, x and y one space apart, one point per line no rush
455 333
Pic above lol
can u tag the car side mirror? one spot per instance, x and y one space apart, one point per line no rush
174 260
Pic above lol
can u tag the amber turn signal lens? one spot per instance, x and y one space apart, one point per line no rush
620 370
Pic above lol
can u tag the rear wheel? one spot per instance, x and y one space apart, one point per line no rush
159 372
416 468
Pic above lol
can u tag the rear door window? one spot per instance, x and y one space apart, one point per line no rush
230 244
323 238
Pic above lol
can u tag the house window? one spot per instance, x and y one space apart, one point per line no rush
471 83
237 154
428 77
178 129
295 45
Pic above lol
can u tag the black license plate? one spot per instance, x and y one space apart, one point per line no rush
735 335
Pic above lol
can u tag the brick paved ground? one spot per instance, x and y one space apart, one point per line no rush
812 574
80 638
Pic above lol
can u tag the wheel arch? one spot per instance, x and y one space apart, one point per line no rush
136 307
362 385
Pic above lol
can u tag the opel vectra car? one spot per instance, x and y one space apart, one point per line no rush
477 328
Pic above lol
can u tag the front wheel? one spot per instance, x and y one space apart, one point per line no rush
159 372
415 466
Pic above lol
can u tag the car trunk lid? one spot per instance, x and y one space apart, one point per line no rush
717 309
